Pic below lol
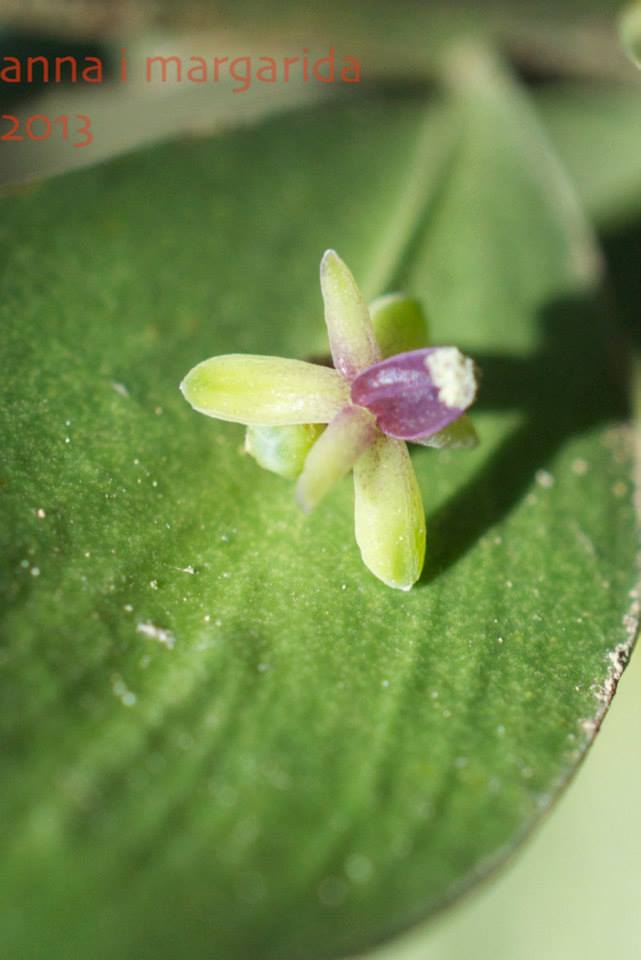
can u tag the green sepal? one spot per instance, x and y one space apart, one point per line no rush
389 519
344 440
351 337
265 391
460 434
399 324
282 450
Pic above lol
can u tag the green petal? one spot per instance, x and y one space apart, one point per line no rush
282 449
267 391
388 513
334 454
459 434
399 324
351 337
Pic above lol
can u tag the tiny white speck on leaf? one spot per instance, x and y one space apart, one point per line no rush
40 513
159 634
544 479
358 868
120 689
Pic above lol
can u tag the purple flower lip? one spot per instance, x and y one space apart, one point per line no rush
416 394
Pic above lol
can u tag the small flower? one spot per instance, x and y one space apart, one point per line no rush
386 388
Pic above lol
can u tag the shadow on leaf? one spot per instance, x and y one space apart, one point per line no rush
571 384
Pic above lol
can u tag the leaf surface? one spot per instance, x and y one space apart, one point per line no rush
597 132
222 738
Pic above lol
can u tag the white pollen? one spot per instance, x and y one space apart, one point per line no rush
453 377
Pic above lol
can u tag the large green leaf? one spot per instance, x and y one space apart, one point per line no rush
580 869
597 131
222 738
